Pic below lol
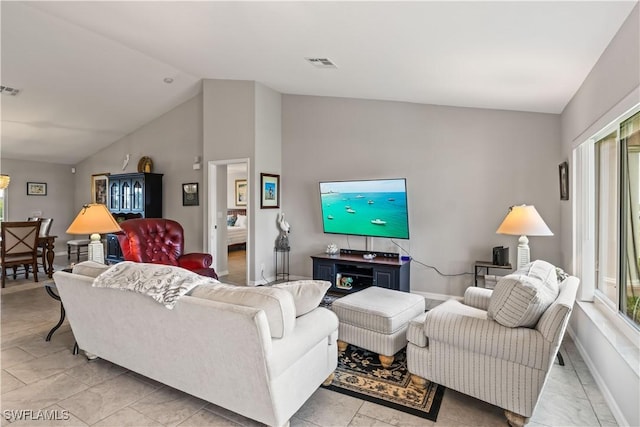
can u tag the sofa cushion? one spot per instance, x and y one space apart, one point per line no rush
519 299
277 304
89 268
307 294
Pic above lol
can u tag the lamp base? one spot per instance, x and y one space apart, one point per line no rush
96 249
523 252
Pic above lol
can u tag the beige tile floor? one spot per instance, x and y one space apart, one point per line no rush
45 375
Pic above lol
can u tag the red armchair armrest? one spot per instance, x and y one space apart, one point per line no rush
195 261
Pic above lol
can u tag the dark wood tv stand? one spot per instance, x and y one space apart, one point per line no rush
390 273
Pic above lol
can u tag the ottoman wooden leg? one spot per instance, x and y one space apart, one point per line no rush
329 379
385 361
515 420
342 346
418 382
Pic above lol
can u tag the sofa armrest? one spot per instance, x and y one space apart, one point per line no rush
484 336
319 325
477 297
195 260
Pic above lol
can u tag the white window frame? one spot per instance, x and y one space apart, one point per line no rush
4 204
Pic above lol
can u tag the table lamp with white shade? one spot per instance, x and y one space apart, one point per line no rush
523 221
94 219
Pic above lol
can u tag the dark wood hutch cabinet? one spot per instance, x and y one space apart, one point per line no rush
132 195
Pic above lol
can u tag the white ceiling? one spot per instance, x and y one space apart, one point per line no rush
92 72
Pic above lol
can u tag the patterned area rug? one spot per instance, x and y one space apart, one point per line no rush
360 374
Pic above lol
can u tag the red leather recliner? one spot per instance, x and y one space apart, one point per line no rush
161 241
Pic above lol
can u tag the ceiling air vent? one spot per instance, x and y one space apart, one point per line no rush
6 90
321 62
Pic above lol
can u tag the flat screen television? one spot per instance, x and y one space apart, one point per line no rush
376 208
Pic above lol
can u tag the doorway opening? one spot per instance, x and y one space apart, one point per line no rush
228 219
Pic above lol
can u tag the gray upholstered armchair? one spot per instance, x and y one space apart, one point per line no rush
462 346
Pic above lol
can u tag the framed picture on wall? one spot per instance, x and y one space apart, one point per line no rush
269 191
564 180
99 185
241 192
190 194
36 188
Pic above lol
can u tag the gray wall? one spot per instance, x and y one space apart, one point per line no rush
57 204
243 121
612 87
229 133
172 141
268 154
464 168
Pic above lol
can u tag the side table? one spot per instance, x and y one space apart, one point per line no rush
487 265
51 290
283 254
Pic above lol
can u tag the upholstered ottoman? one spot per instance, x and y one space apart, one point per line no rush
376 319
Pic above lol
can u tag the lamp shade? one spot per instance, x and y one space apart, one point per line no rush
94 219
4 181
524 220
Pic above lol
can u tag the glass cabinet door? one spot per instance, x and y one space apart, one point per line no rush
114 195
126 195
137 186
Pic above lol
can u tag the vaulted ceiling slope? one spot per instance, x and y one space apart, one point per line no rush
89 73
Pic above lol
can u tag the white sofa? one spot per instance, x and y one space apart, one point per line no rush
221 352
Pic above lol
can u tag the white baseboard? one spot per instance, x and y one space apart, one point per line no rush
608 397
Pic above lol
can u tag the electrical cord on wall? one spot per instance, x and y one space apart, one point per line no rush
427 265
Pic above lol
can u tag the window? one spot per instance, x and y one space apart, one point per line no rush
606 162
630 218
616 219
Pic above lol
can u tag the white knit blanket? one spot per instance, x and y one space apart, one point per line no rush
164 283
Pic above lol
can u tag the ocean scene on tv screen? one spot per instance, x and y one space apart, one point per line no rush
375 208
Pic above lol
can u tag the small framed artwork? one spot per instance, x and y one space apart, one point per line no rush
241 192
190 194
564 180
99 185
269 191
36 188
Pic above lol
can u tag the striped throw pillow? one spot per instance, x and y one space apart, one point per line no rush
519 299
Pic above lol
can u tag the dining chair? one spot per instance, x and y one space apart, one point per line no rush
45 228
19 247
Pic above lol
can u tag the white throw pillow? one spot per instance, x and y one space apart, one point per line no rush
277 304
307 294
241 221
519 299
